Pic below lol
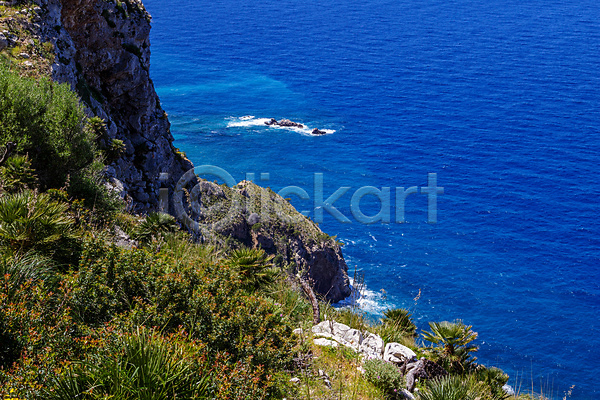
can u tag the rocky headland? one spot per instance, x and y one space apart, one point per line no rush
102 49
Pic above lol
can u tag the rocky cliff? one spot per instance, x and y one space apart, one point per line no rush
102 49
249 215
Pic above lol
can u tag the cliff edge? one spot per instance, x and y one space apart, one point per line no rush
102 49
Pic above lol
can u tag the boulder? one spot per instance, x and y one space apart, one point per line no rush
339 333
372 346
397 353
422 369
322 327
288 123
354 338
318 132
325 342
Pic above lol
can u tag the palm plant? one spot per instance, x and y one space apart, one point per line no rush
254 266
464 387
31 220
448 388
453 340
397 322
17 174
142 366
155 226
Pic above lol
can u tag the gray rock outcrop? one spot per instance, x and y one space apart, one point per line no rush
253 216
369 345
397 353
372 346
103 51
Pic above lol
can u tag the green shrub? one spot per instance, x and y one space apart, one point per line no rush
17 272
23 269
292 302
354 318
109 281
46 121
466 387
490 382
447 388
140 288
385 376
142 365
40 335
116 149
398 321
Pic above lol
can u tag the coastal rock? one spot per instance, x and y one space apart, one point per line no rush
422 369
372 346
288 123
284 123
252 216
318 132
325 342
354 337
397 353
340 333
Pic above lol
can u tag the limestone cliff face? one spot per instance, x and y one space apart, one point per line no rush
103 51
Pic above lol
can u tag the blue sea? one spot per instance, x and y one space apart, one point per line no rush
499 98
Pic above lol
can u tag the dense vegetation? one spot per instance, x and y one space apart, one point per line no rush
162 317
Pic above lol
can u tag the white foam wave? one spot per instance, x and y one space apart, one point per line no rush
369 301
247 121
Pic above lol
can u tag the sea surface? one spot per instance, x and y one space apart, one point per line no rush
499 98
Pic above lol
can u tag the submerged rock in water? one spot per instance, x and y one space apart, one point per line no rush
318 132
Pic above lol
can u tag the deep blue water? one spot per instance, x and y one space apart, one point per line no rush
500 98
